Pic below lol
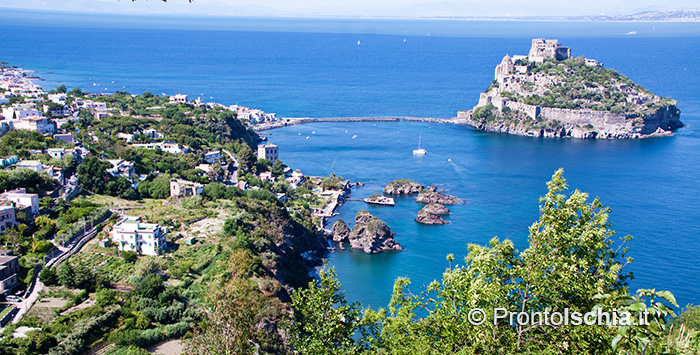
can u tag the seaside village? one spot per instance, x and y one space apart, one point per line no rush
54 115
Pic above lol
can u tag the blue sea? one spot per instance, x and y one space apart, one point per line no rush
429 68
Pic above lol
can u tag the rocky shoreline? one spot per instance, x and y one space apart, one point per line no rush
369 234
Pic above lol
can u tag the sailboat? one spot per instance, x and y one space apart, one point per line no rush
419 151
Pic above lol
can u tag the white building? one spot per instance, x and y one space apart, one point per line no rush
121 167
268 151
30 164
58 98
130 234
7 217
9 267
178 99
21 199
19 111
35 123
56 153
184 188
173 147
152 133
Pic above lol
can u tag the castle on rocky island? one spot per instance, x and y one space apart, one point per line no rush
547 93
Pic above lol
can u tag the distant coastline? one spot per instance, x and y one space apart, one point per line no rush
644 16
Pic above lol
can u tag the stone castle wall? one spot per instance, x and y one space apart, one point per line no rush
583 117
530 110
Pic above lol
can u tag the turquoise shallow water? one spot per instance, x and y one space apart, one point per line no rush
651 188
315 68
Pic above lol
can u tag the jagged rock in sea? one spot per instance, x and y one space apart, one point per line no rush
432 188
437 197
435 209
548 93
402 187
340 231
371 235
428 218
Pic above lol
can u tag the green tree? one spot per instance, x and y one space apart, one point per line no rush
92 174
325 322
572 261
48 277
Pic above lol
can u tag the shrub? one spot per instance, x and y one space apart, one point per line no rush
106 297
130 256
48 277
151 286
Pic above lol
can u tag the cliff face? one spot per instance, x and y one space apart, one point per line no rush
583 124
571 98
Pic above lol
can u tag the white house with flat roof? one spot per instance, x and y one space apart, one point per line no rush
179 98
56 153
22 199
30 164
130 234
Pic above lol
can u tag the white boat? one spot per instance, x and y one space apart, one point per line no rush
419 151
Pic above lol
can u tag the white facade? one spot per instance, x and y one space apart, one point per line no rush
7 217
31 164
20 111
178 98
56 153
174 148
35 123
130 234
121 167
22 199
268 151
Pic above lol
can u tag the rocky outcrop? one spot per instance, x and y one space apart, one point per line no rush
437 197
371 235
432 188
566 123
431 219
569 98
340 231
402 187
435 209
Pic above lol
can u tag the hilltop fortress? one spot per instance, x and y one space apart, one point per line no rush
549 93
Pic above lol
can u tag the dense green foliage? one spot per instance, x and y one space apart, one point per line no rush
33 181
580 86
572 263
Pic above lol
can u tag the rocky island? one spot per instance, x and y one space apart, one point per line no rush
369 234
426 196
430 214
402 187
548 93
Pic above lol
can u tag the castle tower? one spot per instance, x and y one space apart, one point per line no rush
505 68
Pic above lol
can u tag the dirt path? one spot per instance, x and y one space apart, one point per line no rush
171 347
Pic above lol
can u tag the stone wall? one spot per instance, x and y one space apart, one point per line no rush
530 110
582 117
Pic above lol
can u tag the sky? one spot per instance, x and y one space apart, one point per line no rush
362 8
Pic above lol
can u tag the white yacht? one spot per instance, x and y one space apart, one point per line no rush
419 151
